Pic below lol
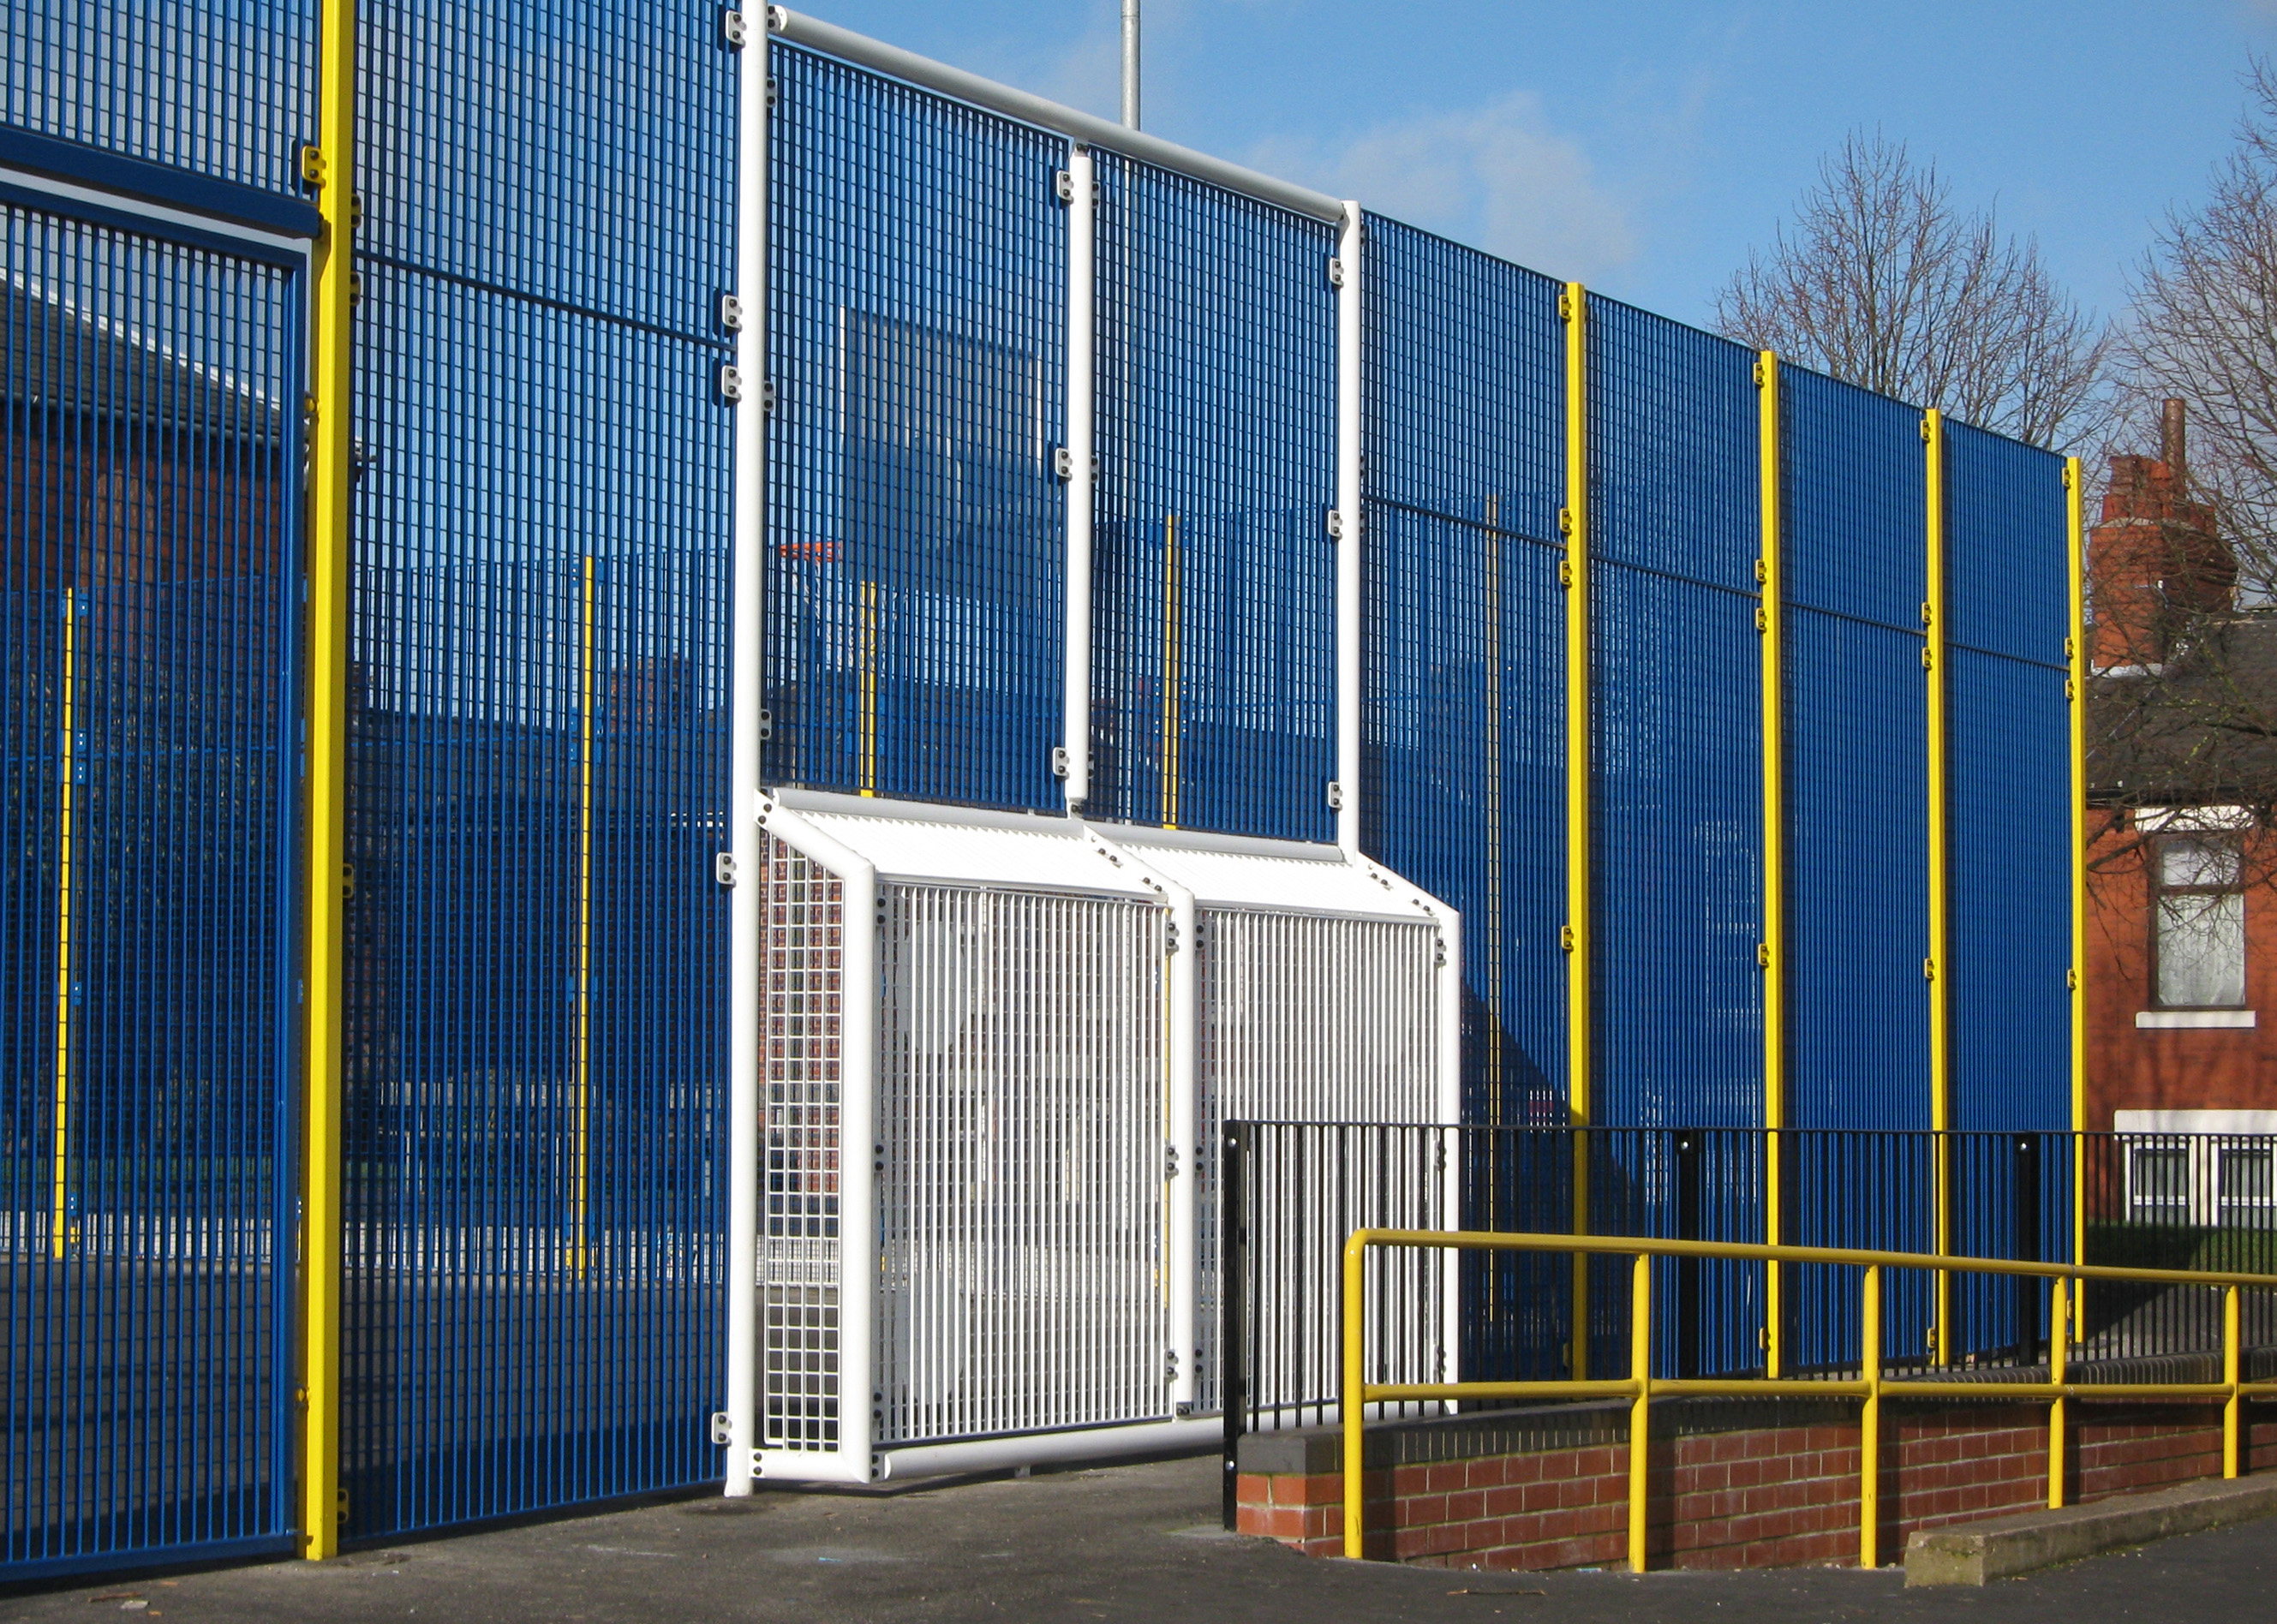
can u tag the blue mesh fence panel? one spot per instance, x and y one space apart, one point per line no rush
1214 574
1463 770
2007 608
150 641
918 301
225 89
535 1027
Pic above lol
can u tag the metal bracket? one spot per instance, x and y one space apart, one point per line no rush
767 396
723 1431
1565 938
1169 1163
723 869
766 725
1063 463
1059 761
1064 186
733 32
1335 272
1335 796
1335 526
731 383
314 168
731 314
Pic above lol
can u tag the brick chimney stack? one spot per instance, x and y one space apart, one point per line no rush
2153 560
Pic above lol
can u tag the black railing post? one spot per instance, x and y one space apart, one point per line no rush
1233 1308
2028 1245
1688 1158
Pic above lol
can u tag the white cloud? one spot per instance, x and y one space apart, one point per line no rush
1494 176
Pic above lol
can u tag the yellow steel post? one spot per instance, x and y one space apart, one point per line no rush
59 1235
1770 623
2233 1408
331 166
1169 783
1869 1422
1349 1399
584 917
1940 1035
1640 1406
1573 576
2075 691
869 679
2059 1371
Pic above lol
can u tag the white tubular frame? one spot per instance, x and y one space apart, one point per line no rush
1082 443
858 1165
996 1454
1349 340
1181 1121
747 699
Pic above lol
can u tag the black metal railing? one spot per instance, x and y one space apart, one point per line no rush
1291 1192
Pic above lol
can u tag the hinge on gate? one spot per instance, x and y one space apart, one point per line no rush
723 868
1565 938
2071 689
1171 945
1566 573
1336 272
1565 521
1169 1163
767 396
1064 186
1762 955
1763 619
1335 796
314 167
731 314
771 87
1335 526
731 383
2071 980
1928 969
1929 657
723 1431
1762 574
733 31
1759 374
1059 761
1564 306
1063 463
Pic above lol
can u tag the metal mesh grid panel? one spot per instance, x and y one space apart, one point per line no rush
1213 590
150 640
801 1000
1462 783
918 301
1304 1019
2006 619
1856 758
225 88
534 943
575 150
1676 818
1021 1106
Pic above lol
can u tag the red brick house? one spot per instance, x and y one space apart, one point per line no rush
2181 770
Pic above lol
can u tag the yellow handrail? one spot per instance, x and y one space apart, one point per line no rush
1640 1387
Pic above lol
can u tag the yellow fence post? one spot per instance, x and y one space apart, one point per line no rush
1573 576
2075 692
60 1226
1869 1422
872 620
1770 623
1169 790
1349 1403
1935 967
331 166
2058 1360
2233 1408
1640 1406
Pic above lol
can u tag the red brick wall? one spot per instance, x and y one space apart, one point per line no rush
2129 1069
1769 1497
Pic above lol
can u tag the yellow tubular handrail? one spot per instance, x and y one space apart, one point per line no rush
1640 1387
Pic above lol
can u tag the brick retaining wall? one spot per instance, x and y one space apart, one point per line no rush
1734 1484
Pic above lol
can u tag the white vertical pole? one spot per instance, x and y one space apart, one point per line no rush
1348 511
747 697
858 1280
1450 1048
1082 250
1182 1119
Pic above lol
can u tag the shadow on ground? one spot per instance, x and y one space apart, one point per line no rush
1124 1543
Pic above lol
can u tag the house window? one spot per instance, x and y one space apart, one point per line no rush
2159 1185
2249 1194
2199 920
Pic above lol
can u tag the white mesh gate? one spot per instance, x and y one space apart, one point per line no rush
993 1056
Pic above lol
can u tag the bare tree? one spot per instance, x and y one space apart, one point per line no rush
1882 281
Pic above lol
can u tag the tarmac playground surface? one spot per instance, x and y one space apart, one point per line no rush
1117 1543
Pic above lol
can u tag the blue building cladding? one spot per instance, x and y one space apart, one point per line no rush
1676 701
1463 635
1855 724
2005 636
918 330
1214 574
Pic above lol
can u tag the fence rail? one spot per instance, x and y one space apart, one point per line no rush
1292 1191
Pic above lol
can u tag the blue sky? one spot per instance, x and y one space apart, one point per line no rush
1644 148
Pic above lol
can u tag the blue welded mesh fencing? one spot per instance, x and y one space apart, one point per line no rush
535 1024
149 806
919 335
536 993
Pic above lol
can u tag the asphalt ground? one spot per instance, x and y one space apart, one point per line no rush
1123 1543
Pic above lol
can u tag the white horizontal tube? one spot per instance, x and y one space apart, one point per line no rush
997 1454
800 29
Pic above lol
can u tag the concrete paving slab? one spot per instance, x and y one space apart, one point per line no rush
2002 1547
